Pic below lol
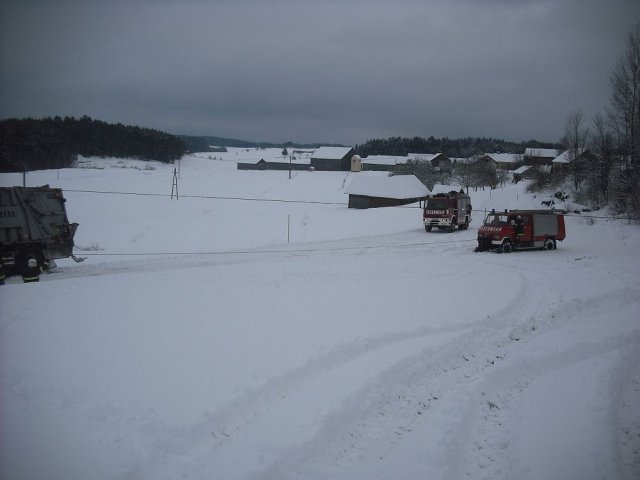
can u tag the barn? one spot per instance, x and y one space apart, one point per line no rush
373 191
539 156
337 159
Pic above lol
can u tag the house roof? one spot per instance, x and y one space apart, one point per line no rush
504 157
384 160
522 169
424 156
564 157
541 152
384 186
331 153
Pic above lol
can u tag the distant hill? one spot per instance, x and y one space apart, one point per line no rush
38 144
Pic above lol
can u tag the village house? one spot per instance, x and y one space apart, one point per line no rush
439 161
375 190
563 162
332 159
539 156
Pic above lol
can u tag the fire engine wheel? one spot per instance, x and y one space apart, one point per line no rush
549 244
506 247
428 228
452 227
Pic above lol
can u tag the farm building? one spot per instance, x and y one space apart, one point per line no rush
439 161
382 163
263 164
373 191
526 171
332 159
582 158
504 161
539 156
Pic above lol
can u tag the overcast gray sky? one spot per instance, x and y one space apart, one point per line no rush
314 71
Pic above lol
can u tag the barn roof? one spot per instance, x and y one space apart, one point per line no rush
522 169
504 157
541 152
564 157
331 153
384 186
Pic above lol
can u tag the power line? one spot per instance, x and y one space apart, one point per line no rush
313 202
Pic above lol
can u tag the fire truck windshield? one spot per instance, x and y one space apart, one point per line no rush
496 219
437 203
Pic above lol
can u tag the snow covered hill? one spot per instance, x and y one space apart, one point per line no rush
257 328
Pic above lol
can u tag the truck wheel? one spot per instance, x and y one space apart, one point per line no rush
452 227
428 228
549 244
506 246
466 223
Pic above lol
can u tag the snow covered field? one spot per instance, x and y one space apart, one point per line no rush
210 338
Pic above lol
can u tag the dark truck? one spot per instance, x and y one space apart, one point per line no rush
34 224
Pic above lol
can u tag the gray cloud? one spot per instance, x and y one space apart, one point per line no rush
331 71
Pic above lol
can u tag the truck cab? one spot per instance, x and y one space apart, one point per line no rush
446 211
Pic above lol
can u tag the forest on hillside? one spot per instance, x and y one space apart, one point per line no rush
34 144
453 148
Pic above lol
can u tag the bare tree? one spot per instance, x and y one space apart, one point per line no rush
599 170
576 136
624 115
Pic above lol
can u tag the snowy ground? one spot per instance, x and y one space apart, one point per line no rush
211 338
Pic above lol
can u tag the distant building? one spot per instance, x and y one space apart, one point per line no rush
539 156
332 159
439 161
505 161
526 171
382 163
582 159
374 190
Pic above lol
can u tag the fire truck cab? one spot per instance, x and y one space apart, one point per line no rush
445 211
521 229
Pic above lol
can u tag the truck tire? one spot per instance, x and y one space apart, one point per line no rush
452 227
549 244
428 228
466 224
506 246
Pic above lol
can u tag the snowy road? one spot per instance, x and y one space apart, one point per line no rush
438 377
364 349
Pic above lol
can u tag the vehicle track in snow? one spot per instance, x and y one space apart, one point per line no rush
407 368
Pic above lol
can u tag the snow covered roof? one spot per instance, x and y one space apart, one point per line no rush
384 186
384 160
441 188
565 158
504 157
541 152
522 169
423 156
331 153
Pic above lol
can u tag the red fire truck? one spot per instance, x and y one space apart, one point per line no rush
445 211
521 229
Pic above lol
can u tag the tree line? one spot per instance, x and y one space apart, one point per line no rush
452 148
610 175
35 144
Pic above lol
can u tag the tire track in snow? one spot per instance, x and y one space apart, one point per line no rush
222 436
489 420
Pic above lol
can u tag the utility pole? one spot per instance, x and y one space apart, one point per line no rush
175 184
